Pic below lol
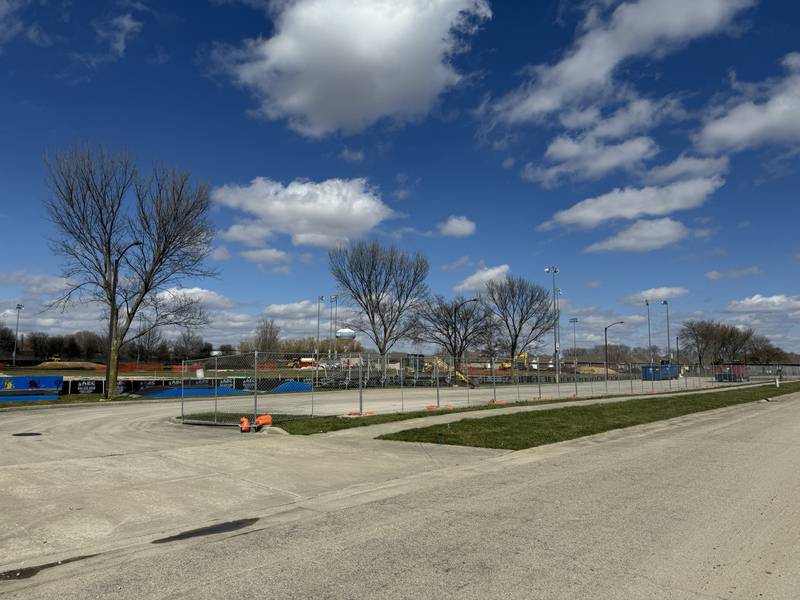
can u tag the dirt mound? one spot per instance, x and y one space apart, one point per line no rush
62 365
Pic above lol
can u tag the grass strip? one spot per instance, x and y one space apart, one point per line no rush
304 425
68 399
528 429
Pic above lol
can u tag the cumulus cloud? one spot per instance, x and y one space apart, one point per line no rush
478 280
759 303
220 253
254 233
632 203
316 214
643 236
208 298
732 273
655 294
34 283
338 65
632 29
588 158
688 167
293 310
457 226
766 117
265 255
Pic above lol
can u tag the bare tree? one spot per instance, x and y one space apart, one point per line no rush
698 336
267 338
454 325
127 240
386 285
522 310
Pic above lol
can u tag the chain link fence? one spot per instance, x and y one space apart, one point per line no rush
222 389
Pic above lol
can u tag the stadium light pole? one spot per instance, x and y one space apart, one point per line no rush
605 337
574 321
669 345
16 337
554 271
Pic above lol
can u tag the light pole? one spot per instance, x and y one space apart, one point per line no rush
669 345
574 321
605 337
330 330
556 333
113 315
320 300
16 337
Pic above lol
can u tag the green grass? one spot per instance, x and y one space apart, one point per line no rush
528 429
69 399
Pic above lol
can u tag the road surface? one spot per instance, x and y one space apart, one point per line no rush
704 506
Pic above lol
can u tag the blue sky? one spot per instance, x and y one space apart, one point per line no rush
647 148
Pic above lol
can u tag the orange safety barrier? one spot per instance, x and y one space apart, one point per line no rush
244 425
263 421
431 406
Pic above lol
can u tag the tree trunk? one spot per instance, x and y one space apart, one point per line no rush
112 370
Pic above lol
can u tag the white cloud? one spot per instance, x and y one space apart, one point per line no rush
265 255
632 203
254 233
34 283
457 226
633 29
209 298
688 167
220 253
643 236
351 156
639 114
457 264
294 310
588 158
339 65
759 303
732 273
117 31
478 280
10 23
656 294
765 118
509 162
316 214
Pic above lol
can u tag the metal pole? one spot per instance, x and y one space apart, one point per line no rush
669 347
216 384
330 332
605 359
255 389
436 374
335 324
183 373
16 337
494 380
650 347
360 385
574 321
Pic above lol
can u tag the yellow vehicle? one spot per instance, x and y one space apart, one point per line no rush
444 367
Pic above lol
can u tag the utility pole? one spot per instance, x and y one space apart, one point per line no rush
650 347
335 324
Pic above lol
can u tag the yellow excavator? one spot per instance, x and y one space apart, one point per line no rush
444 367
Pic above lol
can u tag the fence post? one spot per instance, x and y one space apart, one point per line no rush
402 376
494 380
183 370
436 374
255 388
216 384
360 385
